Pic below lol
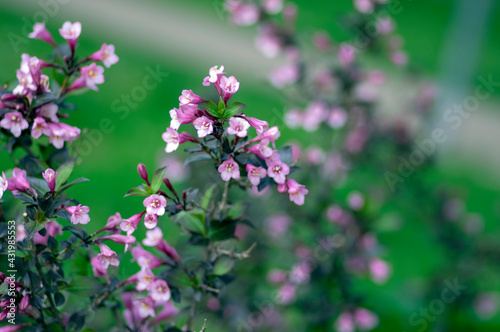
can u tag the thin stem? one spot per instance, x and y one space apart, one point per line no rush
63 86
38 266
224 197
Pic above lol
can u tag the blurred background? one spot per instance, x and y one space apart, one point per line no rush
174 43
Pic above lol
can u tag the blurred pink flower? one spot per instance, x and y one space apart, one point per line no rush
107 256
41 32
14 122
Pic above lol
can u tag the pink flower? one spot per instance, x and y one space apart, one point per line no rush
18 182
486 305
345 323
145 258
276 276
61 132
144 279
272 134
229 169
337 118
238 127
174 139
322 41
255 174
262 149
286 294
301 272
164 247
272 6
26 85
107 257
278 171
364 6
49 112
229 86
71 32
145 307
155 204
204 126
242 13
91 75
159 291
259 125
97 267
189 97
106 55
118 238
41 32
285 75
168 311
174 122
130 225
385 25
186 113
379 270
214 75
399 58
39 127
79 214
273 159
150 221
297 191
15 122
4 183
113 223
268 42
278 224
153 237
347 54
171 137
355 200
50 176
52 228
365 319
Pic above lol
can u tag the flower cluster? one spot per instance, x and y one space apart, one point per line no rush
255 158
32 107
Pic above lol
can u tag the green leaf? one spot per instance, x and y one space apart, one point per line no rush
85 286
59 299
192 221
222 230
40 185
222 105
44 98
33 227
223 265
233 109
63 173
3 288
66 186
158 179
208 196
210 107
137 191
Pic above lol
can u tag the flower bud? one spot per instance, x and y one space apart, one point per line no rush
141 169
